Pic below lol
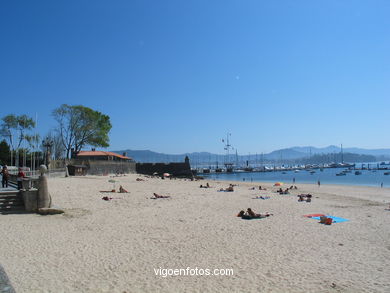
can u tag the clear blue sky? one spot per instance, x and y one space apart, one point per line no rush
176 76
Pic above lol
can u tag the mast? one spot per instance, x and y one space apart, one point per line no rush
342 155
228 146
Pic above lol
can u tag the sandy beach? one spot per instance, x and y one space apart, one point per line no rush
118 245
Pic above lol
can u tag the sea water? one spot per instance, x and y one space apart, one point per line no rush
327 176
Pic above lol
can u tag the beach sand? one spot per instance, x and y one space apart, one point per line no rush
115 246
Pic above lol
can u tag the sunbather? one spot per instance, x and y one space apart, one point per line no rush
160 196
254 215
122 190
241 213
229 189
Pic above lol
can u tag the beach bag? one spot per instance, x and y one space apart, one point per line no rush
328 221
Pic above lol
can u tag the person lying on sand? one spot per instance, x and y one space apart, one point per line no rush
105 191
229 189
160 196
140 179
254 215
252 188
205 186
122 190
109 198
241 213
262 197
261 188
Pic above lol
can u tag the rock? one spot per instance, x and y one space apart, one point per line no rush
5 285
50 211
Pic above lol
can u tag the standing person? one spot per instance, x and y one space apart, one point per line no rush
20 177
294 180
382 185
5 174
319 183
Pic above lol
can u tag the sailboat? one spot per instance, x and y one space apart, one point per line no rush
228 146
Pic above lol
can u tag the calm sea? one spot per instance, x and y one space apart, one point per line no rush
327 176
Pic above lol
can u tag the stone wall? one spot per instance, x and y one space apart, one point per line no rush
105 167
175 169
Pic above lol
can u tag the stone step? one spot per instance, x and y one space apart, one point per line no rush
8 192
9 195
11 202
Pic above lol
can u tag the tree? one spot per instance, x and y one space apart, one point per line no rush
4 153
79 126
19 124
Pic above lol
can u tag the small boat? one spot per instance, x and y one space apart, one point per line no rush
218 170
206 170
312 172
386 173
341 174
358 173
296 171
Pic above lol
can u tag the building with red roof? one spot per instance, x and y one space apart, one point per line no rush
101 156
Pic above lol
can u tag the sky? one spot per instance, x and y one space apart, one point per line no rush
178 76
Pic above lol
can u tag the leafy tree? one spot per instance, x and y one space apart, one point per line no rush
79 126
20 124
15 128
4 153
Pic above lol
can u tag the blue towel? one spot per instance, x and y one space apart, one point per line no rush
335 219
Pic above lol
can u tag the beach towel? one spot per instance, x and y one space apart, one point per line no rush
247 217
335 219
313 215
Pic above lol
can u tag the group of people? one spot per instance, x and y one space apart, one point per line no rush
304 197
5 177
205 186
286 191
229 189
260 188
281 191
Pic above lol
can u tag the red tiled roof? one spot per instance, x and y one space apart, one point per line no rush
101 153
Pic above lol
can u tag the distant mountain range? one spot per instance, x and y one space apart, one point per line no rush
283 155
